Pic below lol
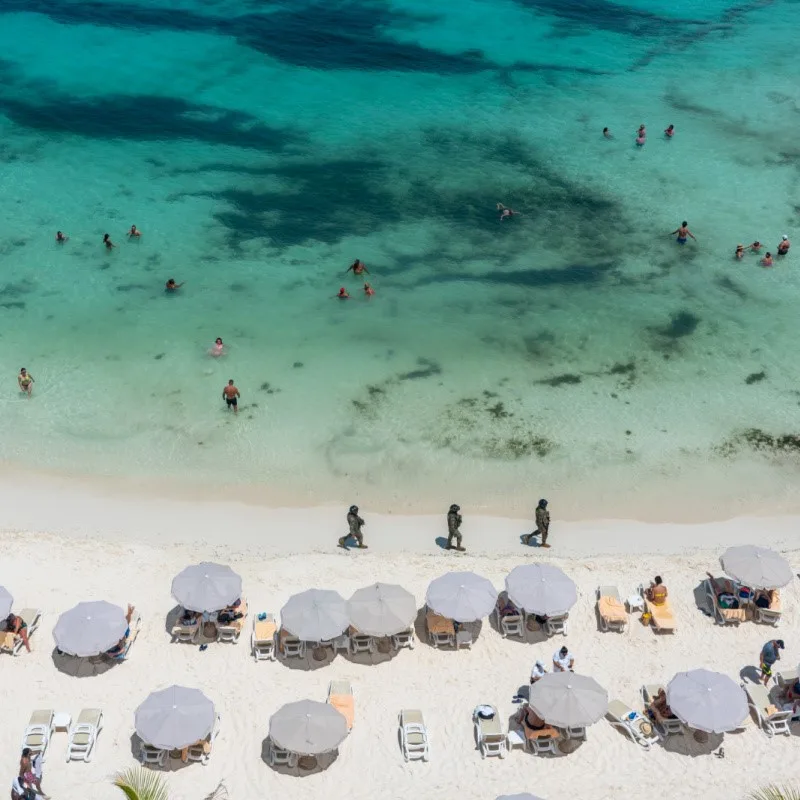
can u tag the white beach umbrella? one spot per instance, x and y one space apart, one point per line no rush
708 701
568 700
206 587
521 796
315 615
308 728
755 566
6 601
461 596
541 589
382 609
90 628
174 718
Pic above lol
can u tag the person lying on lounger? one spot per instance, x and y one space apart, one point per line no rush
725 591
230 613
120 648
660 707
505 608
530 719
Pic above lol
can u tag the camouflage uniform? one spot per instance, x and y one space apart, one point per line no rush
453 524
542 523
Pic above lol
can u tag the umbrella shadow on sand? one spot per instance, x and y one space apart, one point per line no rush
533 631
170 764
688 745
77 667
307 765
314 659
421 630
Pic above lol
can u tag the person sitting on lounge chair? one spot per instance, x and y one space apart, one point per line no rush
659 705
505 608
18 626
763 598
529 719
657 593
724 591
230 613
189 618
793 692
120 648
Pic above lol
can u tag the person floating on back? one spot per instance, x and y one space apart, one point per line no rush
507 213
230 394
683 232
453 527
355 523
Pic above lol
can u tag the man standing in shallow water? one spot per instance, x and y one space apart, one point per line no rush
230 394
683 231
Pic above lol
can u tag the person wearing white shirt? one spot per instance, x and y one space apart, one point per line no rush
563 660
538 671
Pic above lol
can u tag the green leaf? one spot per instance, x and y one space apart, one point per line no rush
141 784
773 792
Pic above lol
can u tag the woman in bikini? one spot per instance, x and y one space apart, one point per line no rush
18 626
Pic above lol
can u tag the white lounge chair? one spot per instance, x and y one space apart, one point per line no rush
771 615
361 643
152 756
231 631
512 625
38 731
83 734
489 734
464 639
789 677
544 744
668 725
281 758
340 643
340 696
771 718
262 639
12 643
202 752
556 624
413 735
403 639
574 732
631 723
185 633
611 609
723 616
290 647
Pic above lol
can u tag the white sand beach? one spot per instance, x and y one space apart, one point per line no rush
66 542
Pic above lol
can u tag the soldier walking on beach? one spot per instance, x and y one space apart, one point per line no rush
453 525
542 525
355 523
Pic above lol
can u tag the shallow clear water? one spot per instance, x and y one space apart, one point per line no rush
574 352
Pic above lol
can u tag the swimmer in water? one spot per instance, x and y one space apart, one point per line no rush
785 244
25 381
343 294
171 286
107 241
368 290
641 136
756 246
670 132
739 252
683 232
767 260
60 238
218 349
230 394
607 133
134 231
358 267
507 213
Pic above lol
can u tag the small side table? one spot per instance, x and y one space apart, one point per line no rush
61 721
635 603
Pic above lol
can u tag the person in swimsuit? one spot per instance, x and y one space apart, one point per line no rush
134 231
767 260
218 349
784 245
756 246
506 213
530 719
171 286
657 593
358 268
739 252
683 232
343 294
30 765
17 625
670 132
641 136
660 707
368 290
107 241
607 133
25 381
60 238
120 648
230 394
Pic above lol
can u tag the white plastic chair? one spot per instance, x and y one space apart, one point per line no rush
403 639
557 624
294 648
544 744
281 758
759 701
512 626
413 735
360 643
83 734
152 756
38 731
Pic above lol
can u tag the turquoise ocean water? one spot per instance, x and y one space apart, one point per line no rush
574 351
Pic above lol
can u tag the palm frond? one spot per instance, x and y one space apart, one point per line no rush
141 784
774 792
220 793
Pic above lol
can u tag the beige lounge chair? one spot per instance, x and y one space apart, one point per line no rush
83 734
661 617
38 731
631 723
185 633
413 735
611 609
489 734
231 631
12 642
340 696
262 640
724 616
771 615
441 631
668 725
770 718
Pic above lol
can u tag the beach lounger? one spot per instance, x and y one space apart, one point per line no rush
202 750
281 758
262 640
289 646
441 631
83 734
185 633
403 639
723 616
771 615
464 639
361 643
668 725
631 723
770 717
340 696
135 626
512 625
489 734
12 642
661 616
556 624
38 731
786 678
152 756
231 631
611 609
413 735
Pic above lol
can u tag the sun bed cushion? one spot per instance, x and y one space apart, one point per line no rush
612 609
436 623
345 705
662 615
265 630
